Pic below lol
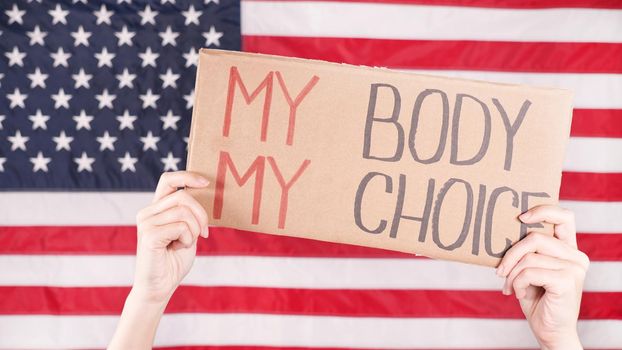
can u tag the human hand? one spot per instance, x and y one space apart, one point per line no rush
546 275
167 231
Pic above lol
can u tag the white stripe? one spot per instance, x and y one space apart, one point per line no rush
283 272
591 90
596 217
72 332
71 208
594 154
398 21
106 208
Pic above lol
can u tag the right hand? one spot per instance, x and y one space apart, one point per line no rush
167 231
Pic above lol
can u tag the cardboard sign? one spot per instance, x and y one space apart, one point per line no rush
368 156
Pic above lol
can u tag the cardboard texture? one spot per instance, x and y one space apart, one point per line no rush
429 165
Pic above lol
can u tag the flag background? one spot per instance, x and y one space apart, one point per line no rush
67 237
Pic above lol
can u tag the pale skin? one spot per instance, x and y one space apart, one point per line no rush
545 273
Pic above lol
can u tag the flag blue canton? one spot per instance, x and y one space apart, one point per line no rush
98 94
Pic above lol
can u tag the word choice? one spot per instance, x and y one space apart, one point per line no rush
478 209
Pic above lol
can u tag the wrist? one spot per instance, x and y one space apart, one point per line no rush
566 342
148 297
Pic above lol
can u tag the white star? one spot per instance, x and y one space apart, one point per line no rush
186 141
15 15
18 141
61 99
60 57
189 99
212 37
125 79
170 162
149 99
1 120
106 142
148 57
58 15
80 37
147 16
122 1
37 36
15 57
103 15
84 162
104 58
214 1
2 160
39 120
105 99
170 120
124 37
82 79
79 1
150 141
83 120
17 98
1 76
192 57
169 37
192 16
40 163
126 120
62 141
127 163
169 79
37 79
165 1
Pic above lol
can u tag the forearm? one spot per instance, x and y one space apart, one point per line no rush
138 324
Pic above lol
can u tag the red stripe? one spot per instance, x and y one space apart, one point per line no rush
513 4
447 54
597 122
591 186
601 246
121 240
318 302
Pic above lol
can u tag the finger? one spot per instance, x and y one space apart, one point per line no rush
563 220
179 198
170 181
542 244
553 281
175 214
162 236
531 260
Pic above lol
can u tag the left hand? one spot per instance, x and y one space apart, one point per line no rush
546 274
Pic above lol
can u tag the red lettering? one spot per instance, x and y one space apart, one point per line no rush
293 105
285 186
235 79
257 167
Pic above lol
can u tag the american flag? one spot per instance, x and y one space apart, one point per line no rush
95 102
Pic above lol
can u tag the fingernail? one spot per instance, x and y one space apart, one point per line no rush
525 215
205 232
500 270
505 291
